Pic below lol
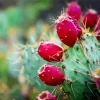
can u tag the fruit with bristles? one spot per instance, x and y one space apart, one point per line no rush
45 95
51 75
74 10
90 18
66 30
50 51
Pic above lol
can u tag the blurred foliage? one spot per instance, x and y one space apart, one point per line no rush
3 67
22 55
15 23
23 15
14 16
3 25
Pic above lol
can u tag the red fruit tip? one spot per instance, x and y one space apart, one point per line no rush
41 69
45 95
73 2
61 18
92 11
90 18
74 10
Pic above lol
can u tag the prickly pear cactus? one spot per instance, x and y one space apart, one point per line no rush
30 62
80 64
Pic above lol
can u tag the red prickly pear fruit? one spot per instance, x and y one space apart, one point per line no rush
45 95
97 31
78 27
90 18
51 75
50 51
66 30
74 10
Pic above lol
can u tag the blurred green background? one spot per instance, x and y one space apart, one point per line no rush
19 19
22 23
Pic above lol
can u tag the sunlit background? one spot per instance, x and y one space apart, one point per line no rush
23 22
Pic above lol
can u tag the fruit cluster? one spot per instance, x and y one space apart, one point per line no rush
71 33
72 68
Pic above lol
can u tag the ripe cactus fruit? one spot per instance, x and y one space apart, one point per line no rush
66 30
90 18
45 95
50 75
97 31
50 51
78 27
74 10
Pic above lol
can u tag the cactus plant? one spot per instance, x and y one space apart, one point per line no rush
79 65
80 68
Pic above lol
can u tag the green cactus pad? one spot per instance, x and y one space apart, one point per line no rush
80 62
31 62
